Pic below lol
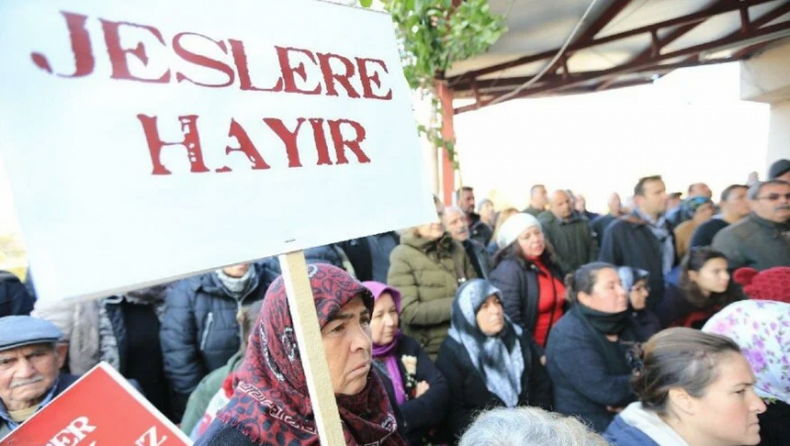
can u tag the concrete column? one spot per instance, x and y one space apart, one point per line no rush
766 78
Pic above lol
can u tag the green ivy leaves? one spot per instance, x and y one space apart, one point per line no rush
434 34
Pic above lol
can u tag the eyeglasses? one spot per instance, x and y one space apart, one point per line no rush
775 197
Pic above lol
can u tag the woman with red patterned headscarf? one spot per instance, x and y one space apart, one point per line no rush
271 404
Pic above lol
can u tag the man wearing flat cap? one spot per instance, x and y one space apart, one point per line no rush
30 363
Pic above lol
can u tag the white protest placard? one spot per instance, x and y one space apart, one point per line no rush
149 140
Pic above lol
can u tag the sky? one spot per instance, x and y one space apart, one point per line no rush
688 126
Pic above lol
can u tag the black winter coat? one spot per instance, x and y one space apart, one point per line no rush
599 226
478 255
584 383
136 329
422 414
677 310
200 331
774 428
468 392
518 281
14 298
370 256
479 231
628 242
649 323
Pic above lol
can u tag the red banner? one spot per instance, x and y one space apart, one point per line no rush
101 409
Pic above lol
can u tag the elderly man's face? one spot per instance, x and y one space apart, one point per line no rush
348 346
455 223
773 203
28 373
561 204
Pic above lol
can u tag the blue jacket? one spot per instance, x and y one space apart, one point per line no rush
583 382
621 433
199 329
628 241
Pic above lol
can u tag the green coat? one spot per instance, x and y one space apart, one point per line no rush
427 275
205 391
572 239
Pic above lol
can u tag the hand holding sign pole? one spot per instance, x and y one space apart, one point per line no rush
308 335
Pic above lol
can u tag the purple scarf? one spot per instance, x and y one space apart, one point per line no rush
386 352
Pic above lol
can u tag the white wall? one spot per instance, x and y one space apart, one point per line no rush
766 78
779 133
689 126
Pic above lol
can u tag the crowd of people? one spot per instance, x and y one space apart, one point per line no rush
649 325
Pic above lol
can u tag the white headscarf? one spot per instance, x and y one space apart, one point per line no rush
762 329
513 227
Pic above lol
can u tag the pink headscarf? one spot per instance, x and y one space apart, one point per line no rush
387 351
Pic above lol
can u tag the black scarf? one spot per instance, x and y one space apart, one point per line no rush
606 323
614 353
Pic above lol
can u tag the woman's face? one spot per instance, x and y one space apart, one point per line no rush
726 415
638 295
487 212
347 344
608 295
434 230
532 242
384 323
490 316
712 277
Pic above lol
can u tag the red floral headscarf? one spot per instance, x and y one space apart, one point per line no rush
271 403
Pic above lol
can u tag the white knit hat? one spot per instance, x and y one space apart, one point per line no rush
513 227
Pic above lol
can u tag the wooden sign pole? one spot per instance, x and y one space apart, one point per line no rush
311 348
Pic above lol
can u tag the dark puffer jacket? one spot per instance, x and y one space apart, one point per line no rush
468 392
517 278
585 381
14 298
628 241
200 331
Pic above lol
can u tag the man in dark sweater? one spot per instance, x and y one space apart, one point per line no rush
761 240
734 207
569 233
643 239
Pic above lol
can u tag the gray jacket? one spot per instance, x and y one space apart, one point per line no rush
755 242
